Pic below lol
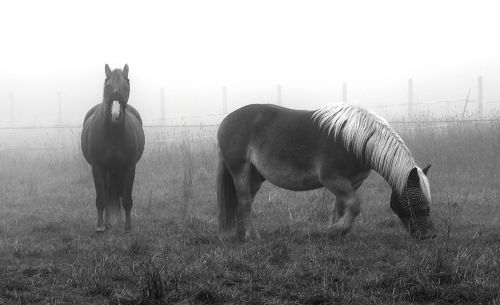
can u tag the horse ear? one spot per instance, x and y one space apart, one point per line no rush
426 169
413 178
125 70
107 70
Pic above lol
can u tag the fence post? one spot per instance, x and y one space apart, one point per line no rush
480 96
224 100
59 109
12 110
410 99
278 95
344 92
162 106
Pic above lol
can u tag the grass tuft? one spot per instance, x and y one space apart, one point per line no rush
48 228
139 247
154 287
207 295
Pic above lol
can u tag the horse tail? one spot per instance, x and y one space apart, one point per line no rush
227 201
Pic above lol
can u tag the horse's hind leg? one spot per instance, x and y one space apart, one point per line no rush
126 198
100 201
247 182
347 204
256 182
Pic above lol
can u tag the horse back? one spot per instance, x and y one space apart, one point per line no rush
265 123
90 113
135 120
84 138
135 113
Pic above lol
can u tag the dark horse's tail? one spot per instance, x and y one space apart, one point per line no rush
227 201
114 203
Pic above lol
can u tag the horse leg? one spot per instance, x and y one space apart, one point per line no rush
338 211
126 198
100 201
347 204
256 182
120 214
109 197
247 182
107 216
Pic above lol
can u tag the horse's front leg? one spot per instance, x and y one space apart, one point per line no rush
127 196
347 204
107 214
109 198
100 201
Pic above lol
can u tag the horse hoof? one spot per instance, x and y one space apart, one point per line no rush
250 235
100 229
225 236
334 233
429 235
128 226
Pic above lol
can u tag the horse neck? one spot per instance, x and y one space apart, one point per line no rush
391 158
396 172
105 120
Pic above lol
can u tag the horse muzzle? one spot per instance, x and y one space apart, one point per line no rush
116 112
419 227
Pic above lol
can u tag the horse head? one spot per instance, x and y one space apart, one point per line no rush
413 205
116 93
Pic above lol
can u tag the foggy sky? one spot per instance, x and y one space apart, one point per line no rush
193 48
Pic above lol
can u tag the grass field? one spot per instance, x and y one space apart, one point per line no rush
49 253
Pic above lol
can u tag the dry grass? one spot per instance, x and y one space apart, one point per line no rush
49 253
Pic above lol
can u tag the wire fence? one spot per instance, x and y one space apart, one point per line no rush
53 137
160 123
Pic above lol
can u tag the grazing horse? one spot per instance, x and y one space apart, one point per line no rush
112 143
334 147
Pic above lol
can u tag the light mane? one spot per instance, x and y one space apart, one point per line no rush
371 139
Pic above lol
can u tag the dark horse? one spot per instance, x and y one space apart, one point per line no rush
334 147
113 142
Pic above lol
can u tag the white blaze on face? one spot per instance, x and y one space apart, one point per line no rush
116 108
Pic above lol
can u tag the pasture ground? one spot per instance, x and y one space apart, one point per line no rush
49 253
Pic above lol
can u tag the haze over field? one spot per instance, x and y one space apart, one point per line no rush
193 48
53 53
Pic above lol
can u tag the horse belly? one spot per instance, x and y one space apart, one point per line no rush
116 159
287 174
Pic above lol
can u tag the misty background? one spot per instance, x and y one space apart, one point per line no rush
55 51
